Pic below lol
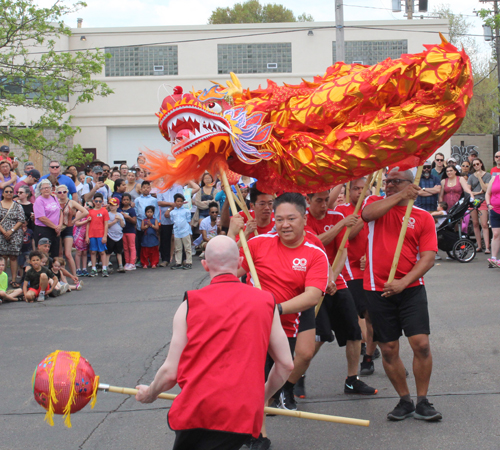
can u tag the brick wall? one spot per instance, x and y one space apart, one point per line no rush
462 144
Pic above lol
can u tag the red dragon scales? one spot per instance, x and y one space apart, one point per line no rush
348 123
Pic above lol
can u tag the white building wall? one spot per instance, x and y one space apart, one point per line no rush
136 99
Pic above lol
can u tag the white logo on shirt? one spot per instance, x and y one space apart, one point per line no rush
411 222
328 227
299 264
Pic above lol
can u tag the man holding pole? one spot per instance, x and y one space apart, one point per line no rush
221 336
401 305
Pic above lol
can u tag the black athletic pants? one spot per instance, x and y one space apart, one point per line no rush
166 241
201 439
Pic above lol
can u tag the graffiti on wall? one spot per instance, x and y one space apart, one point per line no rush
461 153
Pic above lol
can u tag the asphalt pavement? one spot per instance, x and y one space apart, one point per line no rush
123 325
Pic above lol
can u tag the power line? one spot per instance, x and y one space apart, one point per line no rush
487 76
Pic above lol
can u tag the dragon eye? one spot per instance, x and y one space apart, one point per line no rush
215 107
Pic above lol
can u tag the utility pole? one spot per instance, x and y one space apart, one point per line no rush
409 9
339 25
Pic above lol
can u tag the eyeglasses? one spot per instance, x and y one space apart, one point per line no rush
97 201
62 192
465 165
395 181
427 167
439 160
45 187
262 204
497 156
54 167
476 164
8 192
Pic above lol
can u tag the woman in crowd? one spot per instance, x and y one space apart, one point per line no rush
72 212
23 198
493 203
48 216
119 189
453 186
205 195
465 169
478 183
11 235
79 184
132 187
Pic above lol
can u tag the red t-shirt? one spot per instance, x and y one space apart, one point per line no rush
494 170
96 225
261 230
357 247
286 272
321 226
383 235
228 330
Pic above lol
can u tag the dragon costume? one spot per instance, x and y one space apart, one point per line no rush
304 138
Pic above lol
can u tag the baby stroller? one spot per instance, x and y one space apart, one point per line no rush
456 245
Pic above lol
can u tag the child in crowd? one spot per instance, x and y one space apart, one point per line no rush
97 235
80 243
12 294
130 217
182 232
440 214
27 246
209 227
115 232
62 286
150 242
36 281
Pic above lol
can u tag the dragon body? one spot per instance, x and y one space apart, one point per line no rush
348 123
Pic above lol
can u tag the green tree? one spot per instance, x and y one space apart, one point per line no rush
252 11
40 82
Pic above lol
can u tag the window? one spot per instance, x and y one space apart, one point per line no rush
254 58
372 52
142 61
31 88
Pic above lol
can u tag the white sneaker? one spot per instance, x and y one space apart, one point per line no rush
64 288
41 297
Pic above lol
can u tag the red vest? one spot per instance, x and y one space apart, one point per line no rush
221 369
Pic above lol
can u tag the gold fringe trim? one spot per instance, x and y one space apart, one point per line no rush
49 416
75 358
94 392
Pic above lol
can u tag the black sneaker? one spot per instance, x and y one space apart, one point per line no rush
367 366
300 387
426 411
376 353
402 410
176 266
358 387
363 349
261 443
287 400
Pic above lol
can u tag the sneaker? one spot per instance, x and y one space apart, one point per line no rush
41 297
358 387
426 411
493 263
367 366
164 264
187 266
89 264
300 387
437 257
79 272
64 288
128 267
376 354
78 286
402 410
201 255
85 273
138 264
176 266
99 267
110 268
105 273
93 273
121 269
261 443
363 349
287 400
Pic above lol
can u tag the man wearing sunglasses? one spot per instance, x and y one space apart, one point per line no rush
32 177
495 171
431 187
55 170
402 304
438 169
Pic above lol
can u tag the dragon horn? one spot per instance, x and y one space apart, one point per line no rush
234 87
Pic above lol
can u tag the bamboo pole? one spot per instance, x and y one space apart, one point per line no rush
268 410
348 192
243 206
402 234
243 239
367 185
380 174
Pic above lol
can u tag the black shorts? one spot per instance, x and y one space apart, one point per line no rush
270 362
307 320
338 314
201 439
115 247
391 316
358 294
67 232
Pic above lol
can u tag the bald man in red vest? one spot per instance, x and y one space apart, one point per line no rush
221 336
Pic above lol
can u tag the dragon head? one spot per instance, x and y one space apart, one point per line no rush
205 129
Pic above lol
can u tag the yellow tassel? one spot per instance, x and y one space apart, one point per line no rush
49 416
75 357
94 392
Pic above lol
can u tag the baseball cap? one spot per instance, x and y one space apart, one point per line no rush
97 169
44 241
427 163
452 160
473 152
114 201
28 163
4 148
34 173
